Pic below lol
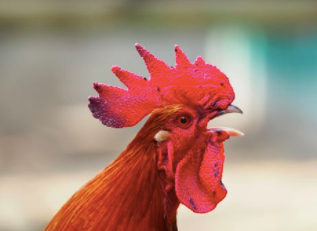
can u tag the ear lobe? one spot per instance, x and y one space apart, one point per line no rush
198 178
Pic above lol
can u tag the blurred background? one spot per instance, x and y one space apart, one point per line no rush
52 51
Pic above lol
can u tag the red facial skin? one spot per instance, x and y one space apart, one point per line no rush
143 187
194 160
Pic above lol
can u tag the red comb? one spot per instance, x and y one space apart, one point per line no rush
197 84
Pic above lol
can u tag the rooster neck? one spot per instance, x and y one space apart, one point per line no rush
127 195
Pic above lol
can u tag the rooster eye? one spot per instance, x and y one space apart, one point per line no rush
184 121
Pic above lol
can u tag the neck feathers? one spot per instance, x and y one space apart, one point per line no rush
127 195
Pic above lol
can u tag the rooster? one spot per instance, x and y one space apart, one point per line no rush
173 159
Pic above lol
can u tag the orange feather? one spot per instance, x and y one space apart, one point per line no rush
128 194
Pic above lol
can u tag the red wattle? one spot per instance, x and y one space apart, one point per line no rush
198 177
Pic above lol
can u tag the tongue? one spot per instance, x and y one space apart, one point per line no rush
198 177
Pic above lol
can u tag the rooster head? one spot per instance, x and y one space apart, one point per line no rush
191 155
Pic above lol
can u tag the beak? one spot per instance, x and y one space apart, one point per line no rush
230 109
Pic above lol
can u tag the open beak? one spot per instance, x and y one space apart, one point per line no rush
229 131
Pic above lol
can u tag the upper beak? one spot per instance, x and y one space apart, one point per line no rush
230 109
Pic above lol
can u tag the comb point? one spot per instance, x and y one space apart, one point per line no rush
96 85
154 65
141 50
199 61
115 69
99 87
181 58
129 79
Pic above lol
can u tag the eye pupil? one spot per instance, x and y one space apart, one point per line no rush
183 120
